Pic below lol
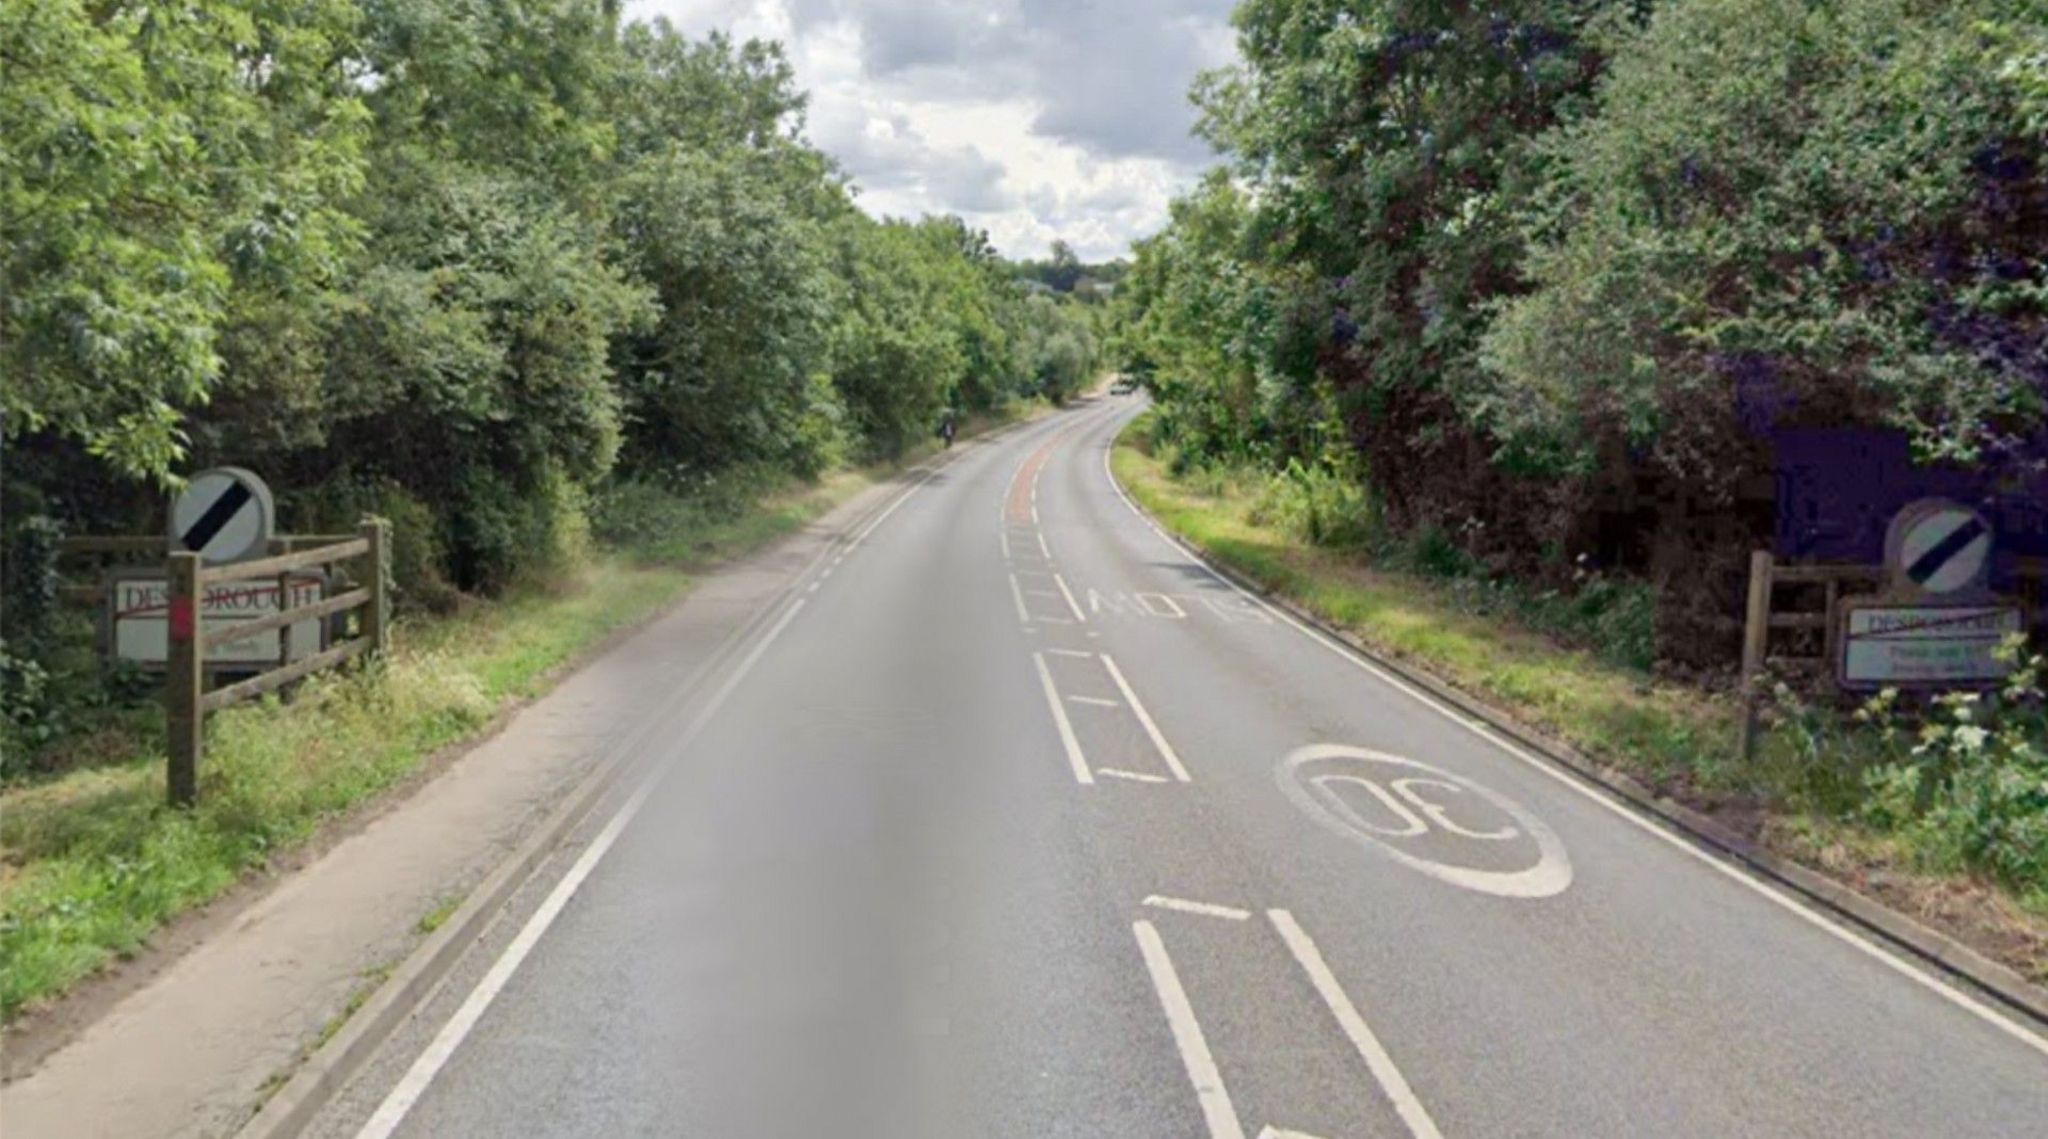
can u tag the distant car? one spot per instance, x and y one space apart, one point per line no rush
1124 385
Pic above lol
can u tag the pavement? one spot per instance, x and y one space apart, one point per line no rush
1011 819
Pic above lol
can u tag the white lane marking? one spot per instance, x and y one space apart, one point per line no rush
1042 547
429 1063
1004 534
1097 701
1173 609
1017 591
914 487
1369 1048
1627 812
1272 1132
814 586
1071 653
1071 603
1133 776
1059 714
1206 909
1145 718
1187 1035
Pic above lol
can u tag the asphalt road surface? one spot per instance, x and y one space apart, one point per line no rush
1014 821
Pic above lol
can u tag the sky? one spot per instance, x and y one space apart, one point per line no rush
1032 119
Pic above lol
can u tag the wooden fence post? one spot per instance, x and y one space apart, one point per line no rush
377 614
184 679
284 635
1756 639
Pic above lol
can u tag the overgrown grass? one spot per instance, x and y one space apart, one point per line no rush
94 862
1814 803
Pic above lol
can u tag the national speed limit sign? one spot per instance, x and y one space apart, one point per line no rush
224 515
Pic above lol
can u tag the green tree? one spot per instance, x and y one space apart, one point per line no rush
163 169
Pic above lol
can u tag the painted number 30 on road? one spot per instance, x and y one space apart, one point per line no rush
1428 819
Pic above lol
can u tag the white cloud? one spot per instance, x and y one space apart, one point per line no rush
1034 119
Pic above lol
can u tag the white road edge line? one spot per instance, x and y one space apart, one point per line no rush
1145 718
1206 909
1071 603
1059 714
1798 908
871 527
1133 776
1369 1047
429 1063
1187 1035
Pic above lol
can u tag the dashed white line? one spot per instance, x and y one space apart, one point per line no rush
1145 719
1017 591
1206 909
1042 547
1071 603
1059 714
1187 1035
1369 1047
1133 776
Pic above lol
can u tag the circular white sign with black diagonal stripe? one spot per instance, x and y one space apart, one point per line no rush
1939 547
223 515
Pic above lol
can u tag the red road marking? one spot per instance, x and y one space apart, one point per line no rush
1018 509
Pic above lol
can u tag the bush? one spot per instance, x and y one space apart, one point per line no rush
658 522
1973 788
419 557
500 533
1320 506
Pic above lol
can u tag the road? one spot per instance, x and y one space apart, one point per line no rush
1015 821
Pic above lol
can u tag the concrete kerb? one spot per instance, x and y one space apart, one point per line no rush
331 1066
1945 953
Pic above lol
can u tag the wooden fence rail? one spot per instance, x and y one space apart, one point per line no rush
186 701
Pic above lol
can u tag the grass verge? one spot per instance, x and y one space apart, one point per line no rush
1676 739
94 862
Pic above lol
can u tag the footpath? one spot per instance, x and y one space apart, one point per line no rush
195 1049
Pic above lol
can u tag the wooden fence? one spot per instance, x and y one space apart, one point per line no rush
186 698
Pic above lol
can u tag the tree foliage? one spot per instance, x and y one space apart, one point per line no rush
480 254
1549 273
